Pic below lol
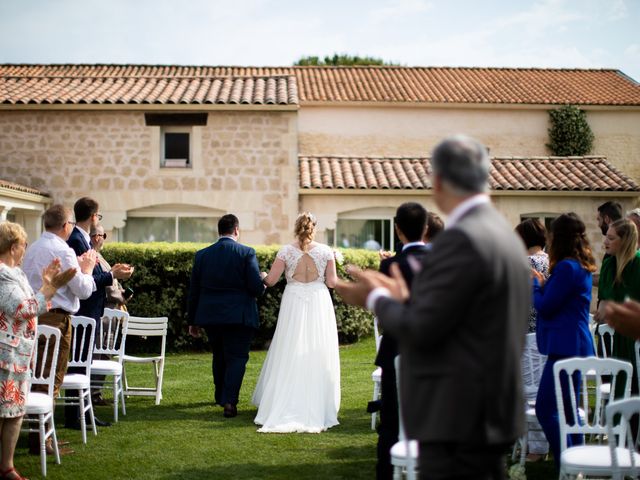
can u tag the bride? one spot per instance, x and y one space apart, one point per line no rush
299 387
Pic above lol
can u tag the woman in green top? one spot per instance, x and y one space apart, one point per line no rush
619 280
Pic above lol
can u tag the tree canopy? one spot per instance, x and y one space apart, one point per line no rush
341 59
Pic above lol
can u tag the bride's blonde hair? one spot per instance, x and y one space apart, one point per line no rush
305 229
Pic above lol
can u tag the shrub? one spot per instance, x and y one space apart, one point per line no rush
570 133
161 286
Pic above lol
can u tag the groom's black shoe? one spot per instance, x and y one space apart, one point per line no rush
230 411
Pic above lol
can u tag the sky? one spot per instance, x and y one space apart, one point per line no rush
470 33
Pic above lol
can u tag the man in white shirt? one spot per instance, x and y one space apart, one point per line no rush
58 225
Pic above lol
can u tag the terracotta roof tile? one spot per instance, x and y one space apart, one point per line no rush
141 84
22 188
507 173
112 84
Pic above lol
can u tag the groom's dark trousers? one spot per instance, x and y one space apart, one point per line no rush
225 282
230 346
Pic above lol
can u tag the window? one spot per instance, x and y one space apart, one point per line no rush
545 218
171 223
369 234
176 147
176 136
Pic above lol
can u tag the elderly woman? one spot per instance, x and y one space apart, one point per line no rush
19 307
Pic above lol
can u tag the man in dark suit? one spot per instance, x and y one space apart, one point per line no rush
410 223
461 334
87 215
225 282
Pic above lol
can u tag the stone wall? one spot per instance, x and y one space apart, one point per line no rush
243 163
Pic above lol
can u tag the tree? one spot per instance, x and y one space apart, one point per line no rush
342 59
570 134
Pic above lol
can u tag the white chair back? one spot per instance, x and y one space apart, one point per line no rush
83 331
624 456
112 336
572 375
605 338
148 327
402 436
532 366
637 353
44 374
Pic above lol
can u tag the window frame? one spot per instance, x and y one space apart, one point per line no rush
175 129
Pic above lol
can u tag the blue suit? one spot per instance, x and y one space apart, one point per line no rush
93 306
562 332
225 282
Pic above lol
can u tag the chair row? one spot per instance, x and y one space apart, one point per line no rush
97 352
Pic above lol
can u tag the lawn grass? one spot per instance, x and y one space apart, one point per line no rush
186 437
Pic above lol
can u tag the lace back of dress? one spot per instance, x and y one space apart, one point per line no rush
306 270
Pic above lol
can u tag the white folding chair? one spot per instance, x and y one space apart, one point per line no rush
404 453
637 352
144 328
625 459
110 342
605 335
41 405
586 459
376 376
82 342
532 365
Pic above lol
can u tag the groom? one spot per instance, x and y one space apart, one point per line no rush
225 282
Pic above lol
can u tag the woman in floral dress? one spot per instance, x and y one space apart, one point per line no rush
19 307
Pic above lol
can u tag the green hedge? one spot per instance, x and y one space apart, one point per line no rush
161 284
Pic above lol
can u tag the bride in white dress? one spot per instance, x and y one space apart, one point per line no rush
299 387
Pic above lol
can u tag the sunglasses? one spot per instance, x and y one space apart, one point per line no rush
99 216
103 235
71 223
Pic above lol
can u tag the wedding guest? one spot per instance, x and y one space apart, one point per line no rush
298 389
459 338
113 298
534 236
19 310
634 216
435 225
66 302
562 303
619 280
410 223
87 215
116 296
608 213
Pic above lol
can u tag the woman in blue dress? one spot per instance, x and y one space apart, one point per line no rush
563 304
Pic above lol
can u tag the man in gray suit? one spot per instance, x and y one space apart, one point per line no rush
462 332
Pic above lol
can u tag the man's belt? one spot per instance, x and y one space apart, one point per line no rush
59 310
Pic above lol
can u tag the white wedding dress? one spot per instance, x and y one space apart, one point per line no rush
299 387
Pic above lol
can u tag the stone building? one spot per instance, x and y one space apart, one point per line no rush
167 150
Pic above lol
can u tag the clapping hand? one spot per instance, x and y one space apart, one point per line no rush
87 261
53 278
122 271
356 292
